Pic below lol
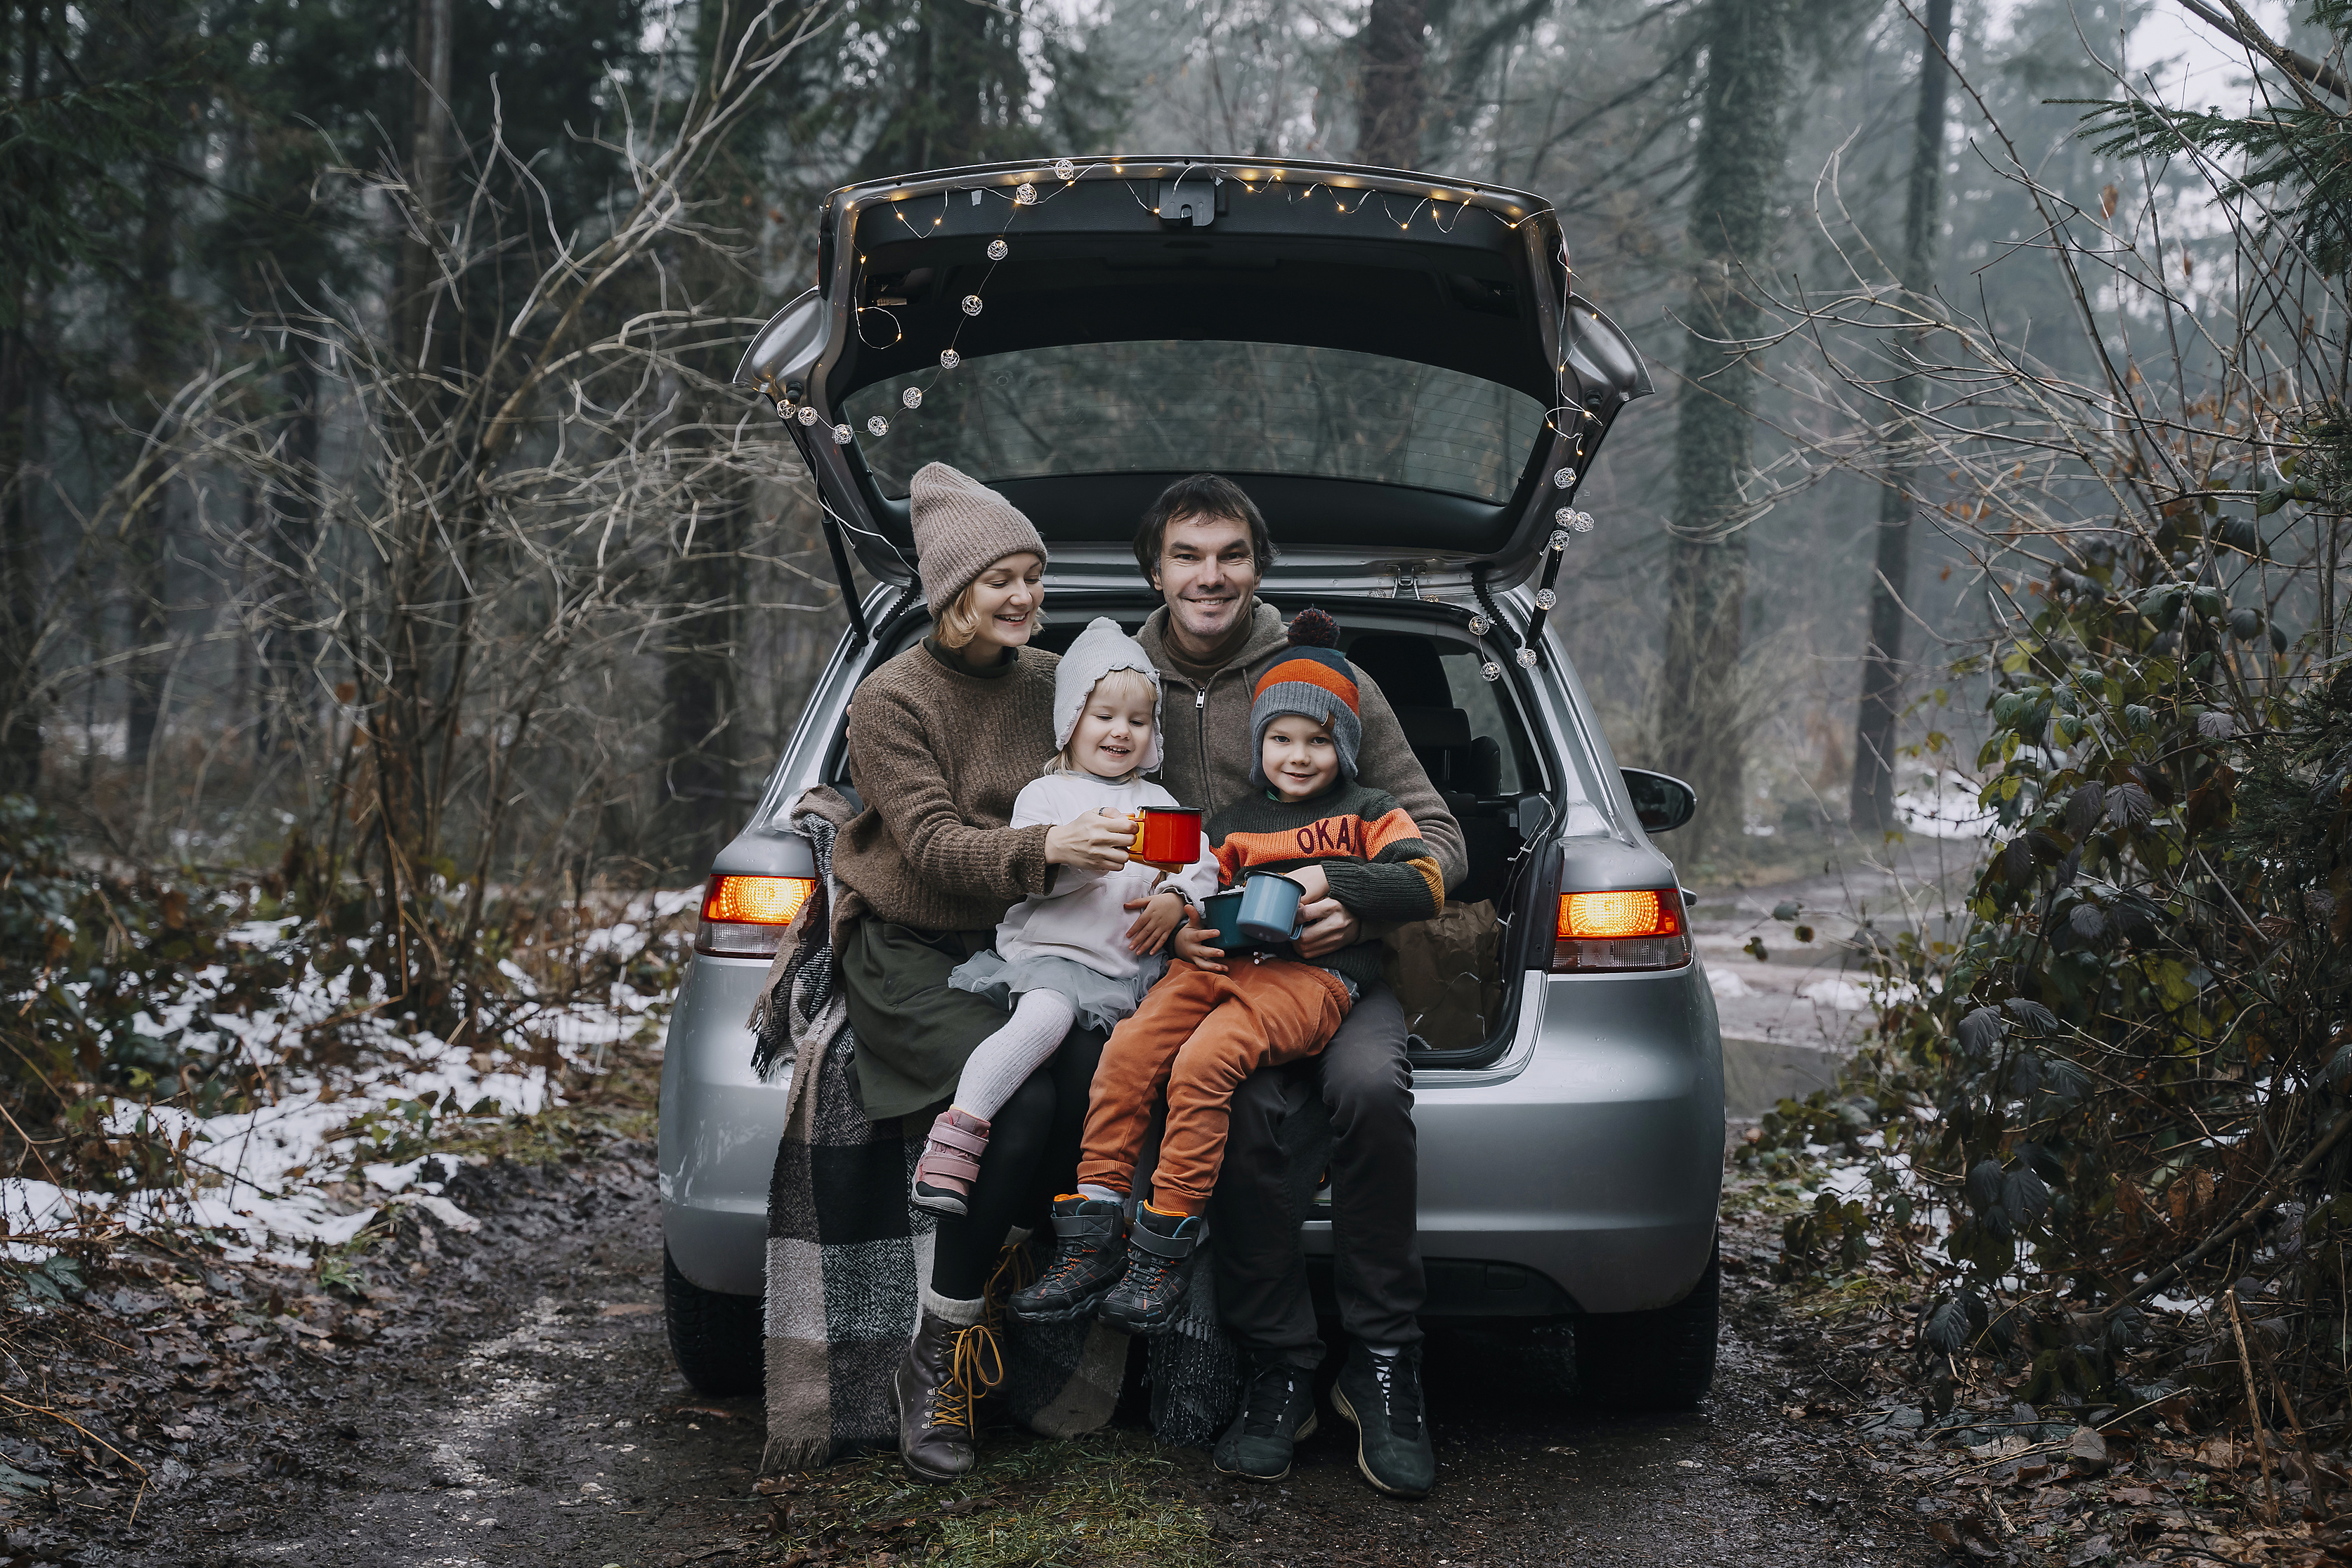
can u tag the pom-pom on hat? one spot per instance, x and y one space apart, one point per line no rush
962 528
1097 651
1312 682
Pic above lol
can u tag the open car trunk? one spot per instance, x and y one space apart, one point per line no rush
1396 367
1459 976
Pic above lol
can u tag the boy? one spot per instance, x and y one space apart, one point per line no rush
1209 1025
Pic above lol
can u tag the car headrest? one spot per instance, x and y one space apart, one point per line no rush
1485 766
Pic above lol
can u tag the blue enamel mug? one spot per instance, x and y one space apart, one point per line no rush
1269 911
1221 914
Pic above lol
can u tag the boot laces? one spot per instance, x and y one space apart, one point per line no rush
1400 1385
975 1365
1148 1274
1014 1268
1269 1400
1069 1262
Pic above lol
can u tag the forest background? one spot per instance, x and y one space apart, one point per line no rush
394 597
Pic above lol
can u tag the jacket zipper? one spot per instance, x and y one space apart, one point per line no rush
1201 725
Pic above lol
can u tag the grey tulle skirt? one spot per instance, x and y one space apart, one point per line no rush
1101 1001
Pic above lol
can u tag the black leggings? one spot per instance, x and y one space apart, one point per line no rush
1033 1152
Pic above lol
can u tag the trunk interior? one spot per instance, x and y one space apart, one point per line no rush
1458 977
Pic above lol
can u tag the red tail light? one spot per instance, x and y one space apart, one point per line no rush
745 917
1641 929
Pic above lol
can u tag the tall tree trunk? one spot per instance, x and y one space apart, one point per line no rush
20 435
700 725
430 135
1395 96
1872 794
1738 160
290 518
147 540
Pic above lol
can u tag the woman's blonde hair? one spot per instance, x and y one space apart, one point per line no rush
960 622
1122 683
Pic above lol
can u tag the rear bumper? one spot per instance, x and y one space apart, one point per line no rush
719 1125
1579 1173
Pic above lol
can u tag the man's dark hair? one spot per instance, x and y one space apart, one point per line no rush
1203 495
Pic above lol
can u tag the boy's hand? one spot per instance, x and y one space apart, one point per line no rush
1193 941
1311 877
1162 913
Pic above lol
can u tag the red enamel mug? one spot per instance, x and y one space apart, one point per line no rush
1168 837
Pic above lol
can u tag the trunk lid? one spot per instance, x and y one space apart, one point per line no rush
1394 366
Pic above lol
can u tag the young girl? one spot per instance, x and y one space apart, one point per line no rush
1073 954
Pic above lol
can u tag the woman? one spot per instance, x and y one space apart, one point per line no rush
942 739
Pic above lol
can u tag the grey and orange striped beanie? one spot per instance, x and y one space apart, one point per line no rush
1314 681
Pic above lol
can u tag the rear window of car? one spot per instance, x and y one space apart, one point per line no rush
1237 408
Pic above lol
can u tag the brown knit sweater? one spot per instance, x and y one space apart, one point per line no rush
938 752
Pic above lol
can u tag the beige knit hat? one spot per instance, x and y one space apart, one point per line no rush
960 528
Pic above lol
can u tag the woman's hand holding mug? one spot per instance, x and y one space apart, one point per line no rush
1096 841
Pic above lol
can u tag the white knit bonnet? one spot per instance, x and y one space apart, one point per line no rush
1099 649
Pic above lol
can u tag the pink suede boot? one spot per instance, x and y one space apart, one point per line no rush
950 1161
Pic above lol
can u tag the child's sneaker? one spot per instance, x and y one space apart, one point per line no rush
1089 1251
950 1161
1151 1293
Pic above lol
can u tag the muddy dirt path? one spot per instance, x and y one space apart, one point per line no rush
513 1402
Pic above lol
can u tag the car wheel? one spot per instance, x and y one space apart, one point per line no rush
713 1337
1653 1361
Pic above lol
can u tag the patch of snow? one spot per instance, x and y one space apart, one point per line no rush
1943 806
1726 983
261 1179
1842 994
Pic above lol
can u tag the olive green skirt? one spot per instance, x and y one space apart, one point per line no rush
913 1030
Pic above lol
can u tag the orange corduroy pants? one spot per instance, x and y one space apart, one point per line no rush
1195 1037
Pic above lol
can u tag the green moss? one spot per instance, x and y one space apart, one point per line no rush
1105 1502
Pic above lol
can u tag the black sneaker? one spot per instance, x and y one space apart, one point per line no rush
1090 1253
1381 1395
1277 1413
1150 1294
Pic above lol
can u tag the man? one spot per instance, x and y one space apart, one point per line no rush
1205 547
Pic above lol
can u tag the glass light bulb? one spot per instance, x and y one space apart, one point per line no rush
1564 478
971 304
1545 598
1565 516
807 415
1527 656
950 359
878 426
842 435
1583 523
1478 625
1064 170
1491 670
1558 539
1025 194
912 397
998 250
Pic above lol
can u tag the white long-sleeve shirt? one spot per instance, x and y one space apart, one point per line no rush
1082 919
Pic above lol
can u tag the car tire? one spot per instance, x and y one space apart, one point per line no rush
1663 1359
714 1338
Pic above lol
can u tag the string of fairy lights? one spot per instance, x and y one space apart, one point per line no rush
1027 193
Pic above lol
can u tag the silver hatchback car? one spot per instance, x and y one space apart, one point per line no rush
1398 370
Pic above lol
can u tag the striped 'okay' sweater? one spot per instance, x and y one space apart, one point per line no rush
1367 847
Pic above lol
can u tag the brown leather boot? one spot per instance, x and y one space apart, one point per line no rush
938 1389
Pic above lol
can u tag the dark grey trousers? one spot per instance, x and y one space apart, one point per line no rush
1351 1105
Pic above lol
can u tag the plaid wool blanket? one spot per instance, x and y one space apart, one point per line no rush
845 1250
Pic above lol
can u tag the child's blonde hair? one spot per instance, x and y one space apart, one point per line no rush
1122 683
